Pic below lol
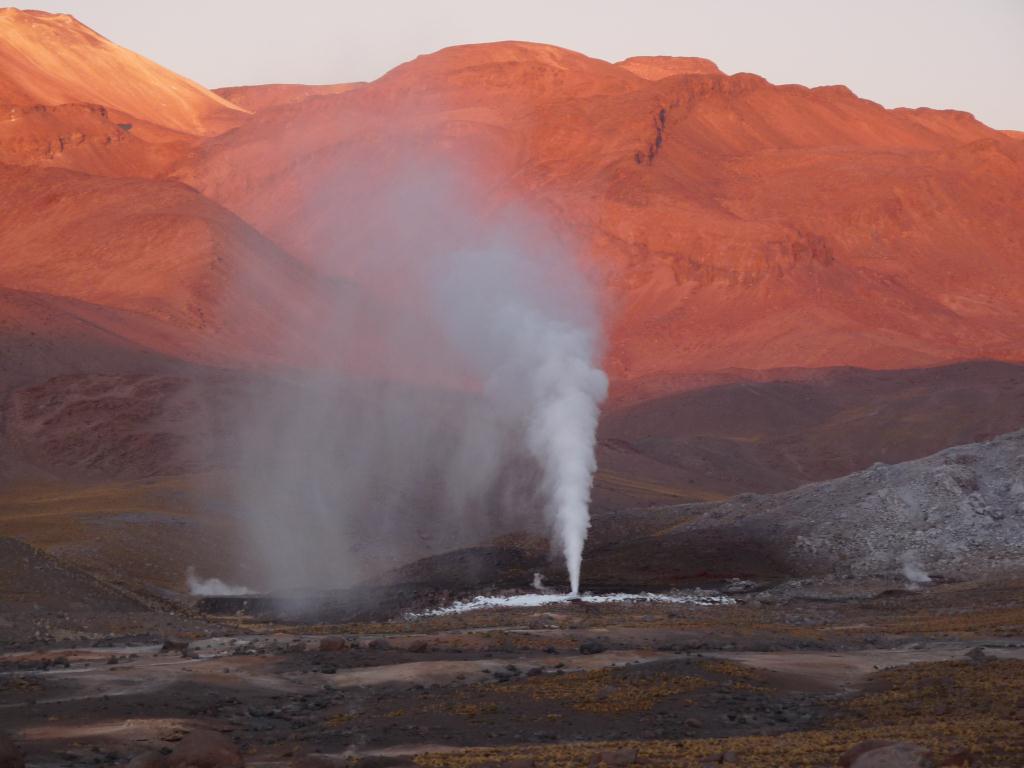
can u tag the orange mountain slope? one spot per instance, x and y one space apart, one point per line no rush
152 265
732 222
87 138
52 59
256 98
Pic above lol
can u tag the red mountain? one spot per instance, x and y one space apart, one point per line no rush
734 223
736 228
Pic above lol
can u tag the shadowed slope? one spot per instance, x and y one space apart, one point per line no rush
778 430
153 263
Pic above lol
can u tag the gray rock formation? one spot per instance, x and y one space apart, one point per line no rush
956 514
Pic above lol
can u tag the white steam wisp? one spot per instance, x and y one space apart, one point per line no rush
458 395
568 389
538 354
213 587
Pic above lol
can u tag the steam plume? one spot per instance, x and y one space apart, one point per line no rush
546 370
462 393
212 587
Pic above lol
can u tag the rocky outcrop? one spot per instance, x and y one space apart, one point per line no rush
958 514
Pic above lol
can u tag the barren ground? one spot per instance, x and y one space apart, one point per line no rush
777 682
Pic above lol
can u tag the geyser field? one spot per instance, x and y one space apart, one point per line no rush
477 409
433 550
513 409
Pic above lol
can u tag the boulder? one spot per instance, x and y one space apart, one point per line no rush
977 655
174 644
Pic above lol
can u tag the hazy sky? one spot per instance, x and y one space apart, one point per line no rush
964 54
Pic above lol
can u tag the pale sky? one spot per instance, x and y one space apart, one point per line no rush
962 54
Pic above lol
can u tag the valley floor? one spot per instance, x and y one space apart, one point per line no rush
787 681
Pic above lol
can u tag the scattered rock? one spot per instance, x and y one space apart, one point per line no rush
10 755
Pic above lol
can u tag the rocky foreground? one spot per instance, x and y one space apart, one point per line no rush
930 678
886 604
874 620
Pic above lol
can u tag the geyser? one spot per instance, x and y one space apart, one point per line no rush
457 389
539 365
568 388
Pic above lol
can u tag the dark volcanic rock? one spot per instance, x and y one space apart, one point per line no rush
174 644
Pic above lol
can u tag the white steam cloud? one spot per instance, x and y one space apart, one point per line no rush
212 587
457 396
539 367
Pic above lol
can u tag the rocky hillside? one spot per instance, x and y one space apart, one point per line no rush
958 514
